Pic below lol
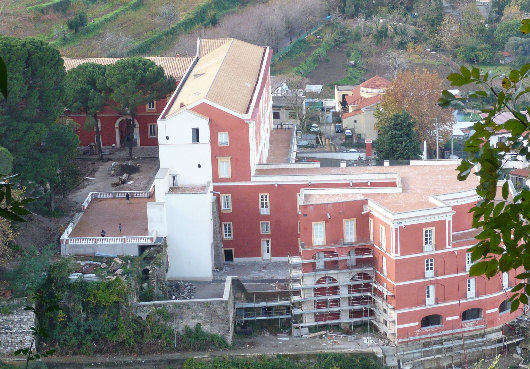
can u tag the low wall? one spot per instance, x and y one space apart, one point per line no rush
15 327
215 315
91 249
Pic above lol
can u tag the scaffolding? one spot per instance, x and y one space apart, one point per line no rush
338 290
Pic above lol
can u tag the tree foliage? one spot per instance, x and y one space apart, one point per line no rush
505 30
503 217
397 139
136 81
86 92
416 93
77 22
28 116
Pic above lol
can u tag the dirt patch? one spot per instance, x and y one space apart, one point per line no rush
335 67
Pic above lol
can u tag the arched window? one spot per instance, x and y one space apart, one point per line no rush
434 320
332 301
472 314
504 306
326 260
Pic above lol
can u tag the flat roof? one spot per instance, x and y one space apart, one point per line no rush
279 146
418 184
107 214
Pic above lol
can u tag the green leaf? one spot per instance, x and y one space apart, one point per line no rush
10 216
515 305
514 75
523 276
525 26
515 126
498 208
3 78
524 299
457 80
505 190
506 83
478 268
475 73
518 287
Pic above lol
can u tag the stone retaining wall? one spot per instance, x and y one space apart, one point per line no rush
215 315
15 327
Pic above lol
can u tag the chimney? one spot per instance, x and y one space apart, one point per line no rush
181 104
368 147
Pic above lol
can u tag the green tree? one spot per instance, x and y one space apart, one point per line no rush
398 139
474 51
86 92
77 22
136 81
6 161
504 241
497 9
505 30
27 116
519 48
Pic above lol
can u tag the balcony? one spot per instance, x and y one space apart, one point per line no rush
428 247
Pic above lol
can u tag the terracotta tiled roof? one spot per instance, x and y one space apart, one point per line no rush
226 76
525 172
376 82
361 103
174 66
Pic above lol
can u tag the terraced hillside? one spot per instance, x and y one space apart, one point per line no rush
113 27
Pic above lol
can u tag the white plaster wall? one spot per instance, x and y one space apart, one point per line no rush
161 184
189 236
156 218
179 154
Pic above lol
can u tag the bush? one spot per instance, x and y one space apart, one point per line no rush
29 274
473 51
77 22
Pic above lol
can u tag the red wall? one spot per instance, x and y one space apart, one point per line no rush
108 118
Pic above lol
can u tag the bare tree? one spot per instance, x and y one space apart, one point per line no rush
116 45
169 14
396 60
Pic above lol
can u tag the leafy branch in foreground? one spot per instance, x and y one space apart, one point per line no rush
504 241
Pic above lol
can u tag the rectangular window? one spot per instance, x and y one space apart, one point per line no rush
428 239
224 167
227 231
505 280
223 138
384 265
151 106
275 115
349 230
264 208
319 234
195 135
265 227
468 261
429 295
152 130
292 115
382 237
471 288
226 203
371 228
429 268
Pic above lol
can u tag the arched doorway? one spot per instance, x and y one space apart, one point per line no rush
121 132
330 302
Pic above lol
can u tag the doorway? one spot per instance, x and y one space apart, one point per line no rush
266 249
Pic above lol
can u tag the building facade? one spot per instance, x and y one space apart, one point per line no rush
113 124
386 245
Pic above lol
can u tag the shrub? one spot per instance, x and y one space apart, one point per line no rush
77 22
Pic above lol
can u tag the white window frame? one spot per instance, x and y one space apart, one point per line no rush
382 237
471 291
505 280
266 243
265 227
430 295
428 239
384 265
350 230
221 139
151 106
264 204
226 203
319 233
193 130
152 127
371 229
469 263
224 167
228 231
429 268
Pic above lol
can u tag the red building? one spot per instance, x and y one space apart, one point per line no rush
113 125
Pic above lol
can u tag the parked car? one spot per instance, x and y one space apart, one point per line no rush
338 127
348 133
314 128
